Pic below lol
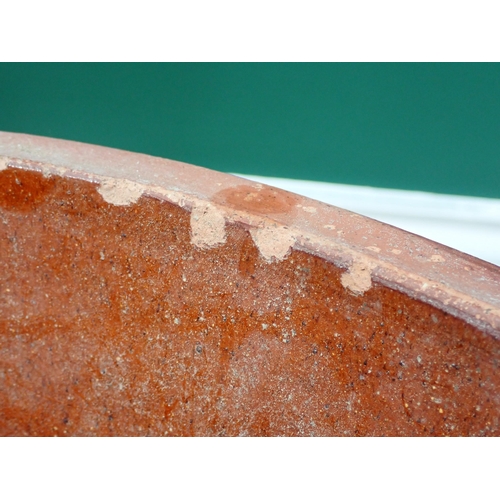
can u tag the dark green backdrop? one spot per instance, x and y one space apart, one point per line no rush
431 127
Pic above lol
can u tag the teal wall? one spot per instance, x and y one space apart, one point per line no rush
431 127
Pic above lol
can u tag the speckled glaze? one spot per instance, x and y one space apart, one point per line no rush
142 296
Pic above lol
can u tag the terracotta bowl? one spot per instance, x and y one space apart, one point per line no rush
142 296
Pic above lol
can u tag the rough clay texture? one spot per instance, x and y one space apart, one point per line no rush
112 322
208 226
120 191
358 279
274 242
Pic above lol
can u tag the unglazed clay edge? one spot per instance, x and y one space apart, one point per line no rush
275 241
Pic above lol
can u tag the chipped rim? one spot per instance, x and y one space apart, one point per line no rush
369 251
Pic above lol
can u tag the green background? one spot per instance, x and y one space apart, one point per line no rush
430 127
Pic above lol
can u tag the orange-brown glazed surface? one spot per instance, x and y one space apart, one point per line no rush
113 323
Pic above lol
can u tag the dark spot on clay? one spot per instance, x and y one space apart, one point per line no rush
199 349
267 200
